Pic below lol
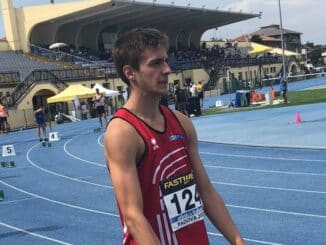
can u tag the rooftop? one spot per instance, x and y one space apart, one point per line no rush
273 30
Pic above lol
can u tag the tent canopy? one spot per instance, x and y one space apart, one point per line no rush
71 93
57 45
286 52
107 92
261 49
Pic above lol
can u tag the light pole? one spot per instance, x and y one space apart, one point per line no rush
229 81
283 80
282 38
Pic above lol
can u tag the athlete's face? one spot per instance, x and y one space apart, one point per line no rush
153 72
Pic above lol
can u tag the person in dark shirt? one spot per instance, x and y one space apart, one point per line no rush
284 89
40 118
181 98
165 100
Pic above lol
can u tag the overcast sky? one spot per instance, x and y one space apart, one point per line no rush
305 16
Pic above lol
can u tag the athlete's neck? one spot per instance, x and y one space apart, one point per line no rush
144 106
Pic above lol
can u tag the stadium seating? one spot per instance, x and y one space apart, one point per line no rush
17 61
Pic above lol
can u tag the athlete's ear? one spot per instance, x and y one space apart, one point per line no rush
129 72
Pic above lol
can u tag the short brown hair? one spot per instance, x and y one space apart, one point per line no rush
130 46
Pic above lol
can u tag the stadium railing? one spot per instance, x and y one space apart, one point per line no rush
10 78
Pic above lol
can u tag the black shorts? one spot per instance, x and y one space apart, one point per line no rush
100 109
201 95
182 107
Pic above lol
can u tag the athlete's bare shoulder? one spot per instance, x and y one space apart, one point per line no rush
183 119
121 138
186 124
120 130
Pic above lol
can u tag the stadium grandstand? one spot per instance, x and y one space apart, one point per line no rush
48 47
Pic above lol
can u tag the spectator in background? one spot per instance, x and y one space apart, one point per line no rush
165 100
107 108
40 118
58 118
284 89
273 94
48 119
193 90
200 93
4 125
84 110
181 100
99 102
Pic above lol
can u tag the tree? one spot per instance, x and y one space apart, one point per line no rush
310 45
215 39
315 55
256 39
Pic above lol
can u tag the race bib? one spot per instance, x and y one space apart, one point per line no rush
182 201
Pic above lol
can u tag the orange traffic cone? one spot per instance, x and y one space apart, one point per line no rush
297 118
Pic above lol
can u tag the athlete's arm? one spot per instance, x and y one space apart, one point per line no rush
38 110
214 205
123 147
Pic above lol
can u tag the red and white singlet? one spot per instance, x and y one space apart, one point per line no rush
170 198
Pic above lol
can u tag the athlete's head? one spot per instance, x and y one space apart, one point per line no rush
130 46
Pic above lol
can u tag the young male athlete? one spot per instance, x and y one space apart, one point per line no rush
99 101
161 186
40 118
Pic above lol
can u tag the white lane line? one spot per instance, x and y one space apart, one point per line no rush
247 239
84 177
265 171
262 157
215 182
269 188
241 144
115 215
78 158
281 148
16 201
278 211
57 202
34 234
99 140
60 175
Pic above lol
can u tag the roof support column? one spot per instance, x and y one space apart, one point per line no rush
189 39
10 24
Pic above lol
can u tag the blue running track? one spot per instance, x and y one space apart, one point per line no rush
270 172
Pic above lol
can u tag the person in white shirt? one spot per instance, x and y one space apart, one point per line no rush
193 90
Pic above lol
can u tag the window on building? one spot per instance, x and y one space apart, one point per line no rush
107 85
176 82
240 76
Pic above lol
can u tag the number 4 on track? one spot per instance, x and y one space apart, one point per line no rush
54 136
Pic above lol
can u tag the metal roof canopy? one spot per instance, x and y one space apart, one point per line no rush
122 15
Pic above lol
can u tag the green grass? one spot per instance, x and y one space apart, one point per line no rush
294 98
